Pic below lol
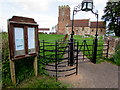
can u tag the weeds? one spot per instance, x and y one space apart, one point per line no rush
116 56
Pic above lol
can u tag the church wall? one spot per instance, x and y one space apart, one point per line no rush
64 20
101 31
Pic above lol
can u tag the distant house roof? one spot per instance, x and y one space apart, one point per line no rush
101 24
43 29
80 23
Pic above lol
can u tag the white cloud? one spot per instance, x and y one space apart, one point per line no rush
39 10
69 1
45 21
33 5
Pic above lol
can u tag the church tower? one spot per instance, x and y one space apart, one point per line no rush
63 18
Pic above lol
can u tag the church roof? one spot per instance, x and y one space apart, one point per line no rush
87 23
80 23
101 24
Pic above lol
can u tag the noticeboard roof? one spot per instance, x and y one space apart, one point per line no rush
22 20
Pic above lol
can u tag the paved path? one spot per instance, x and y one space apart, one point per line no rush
104 75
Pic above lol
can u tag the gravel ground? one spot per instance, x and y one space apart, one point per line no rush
104 75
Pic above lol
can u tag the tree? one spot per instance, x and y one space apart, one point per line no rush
111 14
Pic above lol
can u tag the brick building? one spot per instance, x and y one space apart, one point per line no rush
81 26
44 30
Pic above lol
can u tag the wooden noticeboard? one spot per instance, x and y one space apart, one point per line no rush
23 41
23 37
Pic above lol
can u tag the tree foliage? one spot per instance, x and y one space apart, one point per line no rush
111 14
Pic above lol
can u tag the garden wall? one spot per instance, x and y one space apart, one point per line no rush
113 42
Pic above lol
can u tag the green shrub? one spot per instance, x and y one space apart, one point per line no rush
116 56
6 80
23 68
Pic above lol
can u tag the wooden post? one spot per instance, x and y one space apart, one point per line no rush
12 70
35 66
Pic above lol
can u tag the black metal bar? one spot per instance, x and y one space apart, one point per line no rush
70 74
63 58
56 59
81 46
95 51
87 47
50 70
49 58
71 52
68 56
60 70
63 47
67 70
107 49
62 62
47 64
77 59
83 49
49 45
100 45
71 43
95 41
62 66
52 42
50 50
43 49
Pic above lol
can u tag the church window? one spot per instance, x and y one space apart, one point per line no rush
92 30
101 30
63 13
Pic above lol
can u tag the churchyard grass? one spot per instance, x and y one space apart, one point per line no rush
77 38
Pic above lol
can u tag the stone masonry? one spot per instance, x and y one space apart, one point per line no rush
113 42
81 26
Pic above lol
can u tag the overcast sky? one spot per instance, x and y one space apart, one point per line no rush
45 12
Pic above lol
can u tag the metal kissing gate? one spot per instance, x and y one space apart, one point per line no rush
55 55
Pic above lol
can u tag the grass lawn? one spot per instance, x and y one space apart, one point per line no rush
24 68
77 38
41 82
50 37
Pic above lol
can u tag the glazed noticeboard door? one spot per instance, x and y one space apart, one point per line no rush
19 41
31 40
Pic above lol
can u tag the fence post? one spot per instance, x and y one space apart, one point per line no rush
35 64
56 58
77 59
12 70
83 49
107 48
71 52
43 49
39 49
68 53
95 50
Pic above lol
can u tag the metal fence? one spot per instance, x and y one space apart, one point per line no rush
85 49
56 58
56 55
